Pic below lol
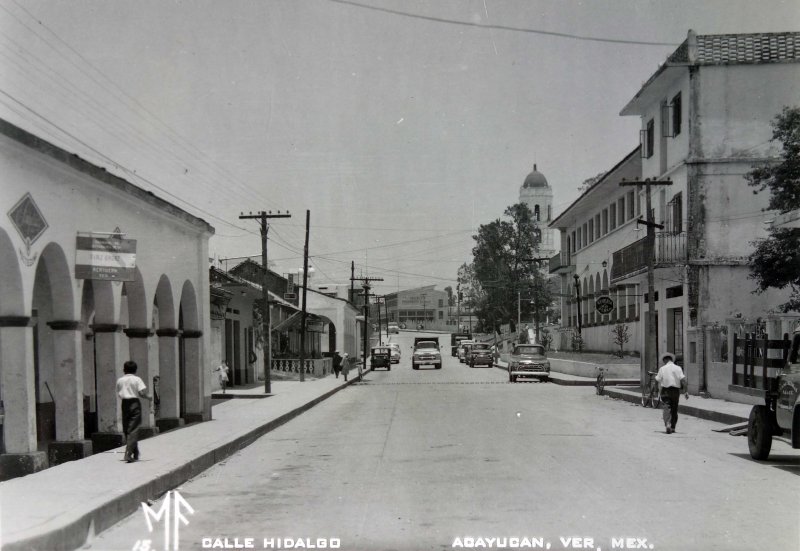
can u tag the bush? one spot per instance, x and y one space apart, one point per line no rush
577 342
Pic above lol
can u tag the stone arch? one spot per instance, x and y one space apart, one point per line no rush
57 365
167 337
134 308
190 354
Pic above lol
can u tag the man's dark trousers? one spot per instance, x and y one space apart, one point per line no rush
131 419
670 397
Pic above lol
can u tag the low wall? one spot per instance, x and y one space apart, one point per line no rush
317 368
718 379
587 369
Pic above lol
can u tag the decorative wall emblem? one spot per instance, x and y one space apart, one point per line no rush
28 221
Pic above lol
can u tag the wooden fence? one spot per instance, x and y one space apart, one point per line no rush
757 360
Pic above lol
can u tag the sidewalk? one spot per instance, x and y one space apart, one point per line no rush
711 409
60 507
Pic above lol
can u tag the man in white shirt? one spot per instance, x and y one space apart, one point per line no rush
130 388
672 382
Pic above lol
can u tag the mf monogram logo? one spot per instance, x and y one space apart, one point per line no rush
172 514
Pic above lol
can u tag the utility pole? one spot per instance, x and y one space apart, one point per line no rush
366 288
424 311
535 301
650 344
458 306
262 217
352 278
303 315
578 299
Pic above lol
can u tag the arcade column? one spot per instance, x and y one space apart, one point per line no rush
170 384
19 454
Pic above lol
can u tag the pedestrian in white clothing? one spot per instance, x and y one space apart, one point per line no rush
672 382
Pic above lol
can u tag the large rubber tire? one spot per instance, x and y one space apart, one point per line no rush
414 366
759 433
437 366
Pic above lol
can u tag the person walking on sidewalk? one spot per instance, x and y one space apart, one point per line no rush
130 388
337 363
223 374
672 381
345 364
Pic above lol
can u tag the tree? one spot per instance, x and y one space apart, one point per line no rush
775 262
621 336
450 300
589 182
502 267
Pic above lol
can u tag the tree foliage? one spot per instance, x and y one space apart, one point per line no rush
775 262
502 266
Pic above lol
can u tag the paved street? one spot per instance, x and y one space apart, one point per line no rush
429 459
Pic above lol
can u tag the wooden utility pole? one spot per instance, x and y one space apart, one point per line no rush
366 288
650 344
265 319
303 315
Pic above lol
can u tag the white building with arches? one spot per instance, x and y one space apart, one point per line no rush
63 339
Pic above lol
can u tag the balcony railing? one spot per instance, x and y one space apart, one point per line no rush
556 265
670 248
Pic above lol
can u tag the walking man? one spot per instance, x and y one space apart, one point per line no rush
672 382
337 363
130 388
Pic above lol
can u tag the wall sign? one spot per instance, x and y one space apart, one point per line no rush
107 258
604 305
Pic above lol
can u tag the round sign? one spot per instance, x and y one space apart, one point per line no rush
604 305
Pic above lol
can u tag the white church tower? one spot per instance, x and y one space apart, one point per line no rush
538 195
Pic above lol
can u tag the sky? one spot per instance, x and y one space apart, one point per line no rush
400 125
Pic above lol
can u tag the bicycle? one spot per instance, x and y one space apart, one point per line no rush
650 392
600 385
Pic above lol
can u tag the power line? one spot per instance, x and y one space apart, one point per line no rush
504 27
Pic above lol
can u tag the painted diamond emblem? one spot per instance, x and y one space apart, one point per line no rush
27 220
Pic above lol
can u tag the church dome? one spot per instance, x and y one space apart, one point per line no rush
535 179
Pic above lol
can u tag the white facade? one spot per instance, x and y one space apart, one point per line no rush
63 340
706 122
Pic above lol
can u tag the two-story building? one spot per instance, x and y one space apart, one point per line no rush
706 122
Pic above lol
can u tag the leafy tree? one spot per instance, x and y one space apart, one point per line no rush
621 336
450 300
502 267
775 262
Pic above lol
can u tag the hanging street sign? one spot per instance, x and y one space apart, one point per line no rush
604 305
289 296
107 258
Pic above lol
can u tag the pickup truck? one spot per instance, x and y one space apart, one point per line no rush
426 352
779 416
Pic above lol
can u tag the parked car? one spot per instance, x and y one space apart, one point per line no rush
481 354
381 356
393 328
528 360
463 347
395 352
455 340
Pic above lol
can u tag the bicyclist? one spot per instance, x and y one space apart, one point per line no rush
672 382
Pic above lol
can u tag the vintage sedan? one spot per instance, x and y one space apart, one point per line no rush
528 361
463 350
395 352
481 354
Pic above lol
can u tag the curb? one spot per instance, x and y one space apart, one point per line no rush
708 415
76 533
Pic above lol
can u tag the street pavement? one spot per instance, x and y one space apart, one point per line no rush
412 459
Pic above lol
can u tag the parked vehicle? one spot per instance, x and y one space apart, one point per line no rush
455 340
381 356
426 352
393 328
528 361
779 416
395 352
481 354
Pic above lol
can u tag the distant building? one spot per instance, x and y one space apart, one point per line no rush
538 195
421 306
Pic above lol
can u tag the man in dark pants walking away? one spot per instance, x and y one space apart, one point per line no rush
672 382
130 388
337 363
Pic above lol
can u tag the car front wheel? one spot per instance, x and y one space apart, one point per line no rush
759 433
